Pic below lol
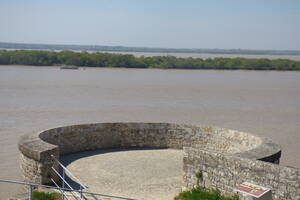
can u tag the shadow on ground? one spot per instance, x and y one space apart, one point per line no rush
68 159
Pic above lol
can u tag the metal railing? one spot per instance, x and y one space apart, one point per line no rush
32 186
65 184
67 189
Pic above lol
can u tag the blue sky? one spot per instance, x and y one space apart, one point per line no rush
229 24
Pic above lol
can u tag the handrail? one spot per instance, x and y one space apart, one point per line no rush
68 172
61 191
63 181
64 189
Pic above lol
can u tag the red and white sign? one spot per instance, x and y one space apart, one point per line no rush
251 189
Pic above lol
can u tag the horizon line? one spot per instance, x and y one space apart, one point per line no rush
149 48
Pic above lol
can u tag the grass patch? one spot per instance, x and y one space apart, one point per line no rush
203 194
36 195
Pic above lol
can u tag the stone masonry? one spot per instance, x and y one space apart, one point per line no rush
226 171
224 157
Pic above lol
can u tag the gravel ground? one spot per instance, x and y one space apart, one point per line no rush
146 174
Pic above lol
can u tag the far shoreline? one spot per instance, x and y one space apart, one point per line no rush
85 59
80 68
180 54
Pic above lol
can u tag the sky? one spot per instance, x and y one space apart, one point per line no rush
223 24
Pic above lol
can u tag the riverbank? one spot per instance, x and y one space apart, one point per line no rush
98 59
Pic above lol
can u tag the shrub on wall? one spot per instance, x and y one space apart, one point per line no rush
201 193
36 195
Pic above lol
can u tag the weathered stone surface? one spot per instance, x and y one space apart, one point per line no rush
226 171
225 157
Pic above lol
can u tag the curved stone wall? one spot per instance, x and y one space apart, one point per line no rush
37 148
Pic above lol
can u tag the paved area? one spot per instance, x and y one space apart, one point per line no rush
138 174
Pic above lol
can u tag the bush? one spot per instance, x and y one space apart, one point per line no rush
36 195
44 58
203 194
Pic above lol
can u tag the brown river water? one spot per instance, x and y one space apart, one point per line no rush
34 98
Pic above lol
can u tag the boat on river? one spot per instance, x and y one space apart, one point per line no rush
69 67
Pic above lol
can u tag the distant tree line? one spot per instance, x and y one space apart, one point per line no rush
85 59
61 47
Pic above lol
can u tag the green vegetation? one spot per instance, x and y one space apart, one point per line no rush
199 176
203 194
85 59
36 195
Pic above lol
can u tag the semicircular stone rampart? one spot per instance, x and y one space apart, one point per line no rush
36 148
